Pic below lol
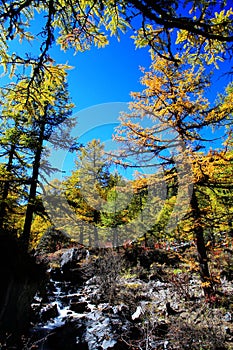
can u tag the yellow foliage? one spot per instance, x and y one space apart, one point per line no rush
193 265
39 226
205 284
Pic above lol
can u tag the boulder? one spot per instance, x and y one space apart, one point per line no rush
70 267
78 307
49 312
148 256
70 336
70 258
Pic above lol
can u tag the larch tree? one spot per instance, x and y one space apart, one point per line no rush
86 187
115 211
215 195
43 109
168 126
13 168
16 146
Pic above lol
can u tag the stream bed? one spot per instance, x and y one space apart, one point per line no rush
84 308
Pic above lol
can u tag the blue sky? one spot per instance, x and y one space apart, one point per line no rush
100 84
104 75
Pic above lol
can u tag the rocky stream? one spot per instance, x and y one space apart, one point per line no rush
88 305
132 299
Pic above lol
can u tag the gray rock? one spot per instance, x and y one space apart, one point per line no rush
71 267
71 256
228 317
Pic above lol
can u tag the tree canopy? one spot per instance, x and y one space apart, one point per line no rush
203 27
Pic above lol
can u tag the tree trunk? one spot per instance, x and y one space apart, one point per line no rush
6 189
201 248
33 187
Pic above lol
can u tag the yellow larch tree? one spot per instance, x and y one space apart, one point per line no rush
168 127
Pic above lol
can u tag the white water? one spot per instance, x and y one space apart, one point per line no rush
98 328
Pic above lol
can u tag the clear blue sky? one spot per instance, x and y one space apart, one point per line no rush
105 75
100 84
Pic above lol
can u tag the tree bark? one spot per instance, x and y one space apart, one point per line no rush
33 187
201 248
6 188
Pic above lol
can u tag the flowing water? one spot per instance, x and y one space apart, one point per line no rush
98 326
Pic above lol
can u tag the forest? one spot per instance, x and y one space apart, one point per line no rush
99 260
